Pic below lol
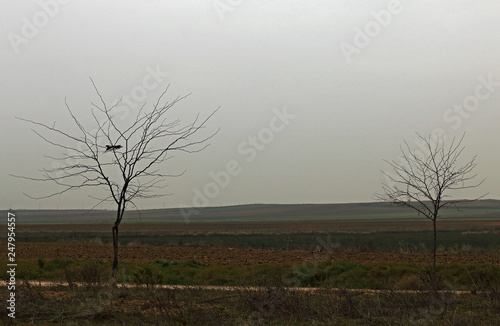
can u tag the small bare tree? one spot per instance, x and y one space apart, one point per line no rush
422 180
124 160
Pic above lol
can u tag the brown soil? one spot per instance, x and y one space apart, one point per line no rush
229 256
268 227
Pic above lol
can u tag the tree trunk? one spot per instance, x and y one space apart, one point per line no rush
115 250
119 215
435 246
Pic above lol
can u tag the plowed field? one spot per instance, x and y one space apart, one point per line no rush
267 227
228 256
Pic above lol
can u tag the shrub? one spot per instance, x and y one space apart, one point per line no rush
410 282
91 274
148 274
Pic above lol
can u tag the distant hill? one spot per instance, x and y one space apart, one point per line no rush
485 209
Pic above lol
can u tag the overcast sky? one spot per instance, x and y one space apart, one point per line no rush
326 89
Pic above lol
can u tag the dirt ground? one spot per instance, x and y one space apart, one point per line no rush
229 256
268 227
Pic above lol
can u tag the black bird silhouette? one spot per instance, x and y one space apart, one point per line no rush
112 147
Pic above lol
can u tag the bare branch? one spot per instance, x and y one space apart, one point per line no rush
125 161
136 159
422 181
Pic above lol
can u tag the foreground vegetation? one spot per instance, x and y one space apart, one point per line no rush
408 294
95 304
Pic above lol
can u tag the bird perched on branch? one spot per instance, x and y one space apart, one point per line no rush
112 147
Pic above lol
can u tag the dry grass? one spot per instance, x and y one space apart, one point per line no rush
274 305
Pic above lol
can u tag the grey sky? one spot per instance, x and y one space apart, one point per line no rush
358 76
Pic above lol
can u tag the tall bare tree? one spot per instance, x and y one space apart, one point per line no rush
423 180
124 159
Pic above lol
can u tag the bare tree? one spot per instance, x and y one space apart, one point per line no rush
124 160
422 180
